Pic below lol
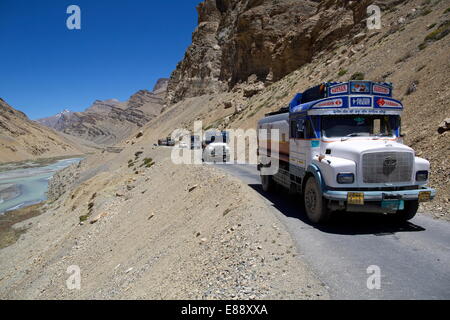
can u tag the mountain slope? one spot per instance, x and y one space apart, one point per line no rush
107 122
23 139
412 50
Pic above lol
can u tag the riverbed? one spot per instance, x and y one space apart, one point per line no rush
25 184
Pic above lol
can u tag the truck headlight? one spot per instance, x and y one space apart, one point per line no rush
345 178
422 176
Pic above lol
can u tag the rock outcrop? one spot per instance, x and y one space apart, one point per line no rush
161 86
238 39
105 106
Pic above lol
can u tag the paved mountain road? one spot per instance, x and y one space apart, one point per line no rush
414 258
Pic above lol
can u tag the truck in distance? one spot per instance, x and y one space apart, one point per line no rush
215 147
340 146
169 142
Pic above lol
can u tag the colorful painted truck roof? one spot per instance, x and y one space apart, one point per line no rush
347 98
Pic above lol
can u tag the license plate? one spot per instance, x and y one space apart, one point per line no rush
355 198
424 196
393 204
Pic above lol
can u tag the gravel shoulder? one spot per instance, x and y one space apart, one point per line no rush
163 232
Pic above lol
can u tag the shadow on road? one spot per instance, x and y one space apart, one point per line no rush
341 223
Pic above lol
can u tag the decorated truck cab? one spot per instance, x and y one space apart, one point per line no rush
340 145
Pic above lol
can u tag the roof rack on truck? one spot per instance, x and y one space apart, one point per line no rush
282 110
342 90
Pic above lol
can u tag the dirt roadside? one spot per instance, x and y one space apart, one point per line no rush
155 230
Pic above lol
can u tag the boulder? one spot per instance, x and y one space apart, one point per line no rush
412 87
444 126
228 104
193 188
253 89
98 218
239 108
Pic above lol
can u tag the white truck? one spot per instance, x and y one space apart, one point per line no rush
340 146
215 147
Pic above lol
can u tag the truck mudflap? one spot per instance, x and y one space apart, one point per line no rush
422 194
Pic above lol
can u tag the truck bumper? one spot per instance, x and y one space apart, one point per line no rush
380 195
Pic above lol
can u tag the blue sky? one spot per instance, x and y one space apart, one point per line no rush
122 47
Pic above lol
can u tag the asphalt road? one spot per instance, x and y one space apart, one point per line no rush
414 257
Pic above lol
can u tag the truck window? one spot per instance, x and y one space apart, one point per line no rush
225 137
359 125
297 129
309 130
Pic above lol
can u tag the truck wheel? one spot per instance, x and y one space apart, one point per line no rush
267 183
409 212
315 204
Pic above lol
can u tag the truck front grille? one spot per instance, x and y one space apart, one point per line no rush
387 167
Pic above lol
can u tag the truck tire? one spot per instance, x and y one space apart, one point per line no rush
267 182
408 213
315 205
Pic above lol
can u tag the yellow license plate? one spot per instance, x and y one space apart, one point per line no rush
355 198
424 196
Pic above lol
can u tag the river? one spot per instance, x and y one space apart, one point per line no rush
26 183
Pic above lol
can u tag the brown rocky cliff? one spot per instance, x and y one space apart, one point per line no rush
236 39
199 71
143 97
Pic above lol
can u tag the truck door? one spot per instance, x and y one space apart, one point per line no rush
299 147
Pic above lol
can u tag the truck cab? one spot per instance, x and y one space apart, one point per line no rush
341 147
215 147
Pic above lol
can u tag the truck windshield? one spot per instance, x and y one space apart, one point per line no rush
359 125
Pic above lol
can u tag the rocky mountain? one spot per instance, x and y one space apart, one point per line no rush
105 106
161 86
229 77
52 121
262 39
107 122
23 139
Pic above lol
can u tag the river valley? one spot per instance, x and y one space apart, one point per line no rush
25 184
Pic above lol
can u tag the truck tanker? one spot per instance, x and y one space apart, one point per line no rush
340 147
